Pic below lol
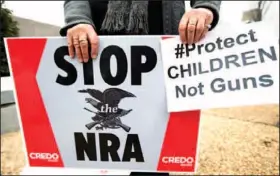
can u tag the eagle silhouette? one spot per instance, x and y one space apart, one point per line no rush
110 97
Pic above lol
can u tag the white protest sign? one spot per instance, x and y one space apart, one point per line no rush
109 113
234 67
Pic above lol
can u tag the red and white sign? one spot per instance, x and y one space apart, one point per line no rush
107 114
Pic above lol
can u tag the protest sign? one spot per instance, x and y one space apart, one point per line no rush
109 113
235 67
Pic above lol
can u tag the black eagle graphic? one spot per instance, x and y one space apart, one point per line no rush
110 97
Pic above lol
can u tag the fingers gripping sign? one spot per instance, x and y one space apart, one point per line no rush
70 45
77 47
182 28
79 38
191 30
94 43
199 30
83 43
194 25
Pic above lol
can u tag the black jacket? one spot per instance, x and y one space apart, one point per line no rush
77 12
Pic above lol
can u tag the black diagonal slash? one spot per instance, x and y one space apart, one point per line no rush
179 51
89 110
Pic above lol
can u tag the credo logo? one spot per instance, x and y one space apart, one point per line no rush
183 161
51 157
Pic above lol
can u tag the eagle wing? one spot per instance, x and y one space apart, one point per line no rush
97 94
113 96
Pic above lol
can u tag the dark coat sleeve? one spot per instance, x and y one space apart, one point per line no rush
214 6
76 12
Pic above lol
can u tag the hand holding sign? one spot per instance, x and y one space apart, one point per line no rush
79 38
223 70
195 24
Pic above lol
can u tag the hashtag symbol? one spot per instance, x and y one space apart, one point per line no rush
179 51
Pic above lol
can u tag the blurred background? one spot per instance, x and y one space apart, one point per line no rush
242 140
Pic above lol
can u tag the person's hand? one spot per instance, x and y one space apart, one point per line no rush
79 38
194 25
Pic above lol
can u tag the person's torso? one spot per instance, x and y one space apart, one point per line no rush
155 16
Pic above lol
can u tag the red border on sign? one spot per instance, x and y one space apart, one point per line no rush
25 56
180 141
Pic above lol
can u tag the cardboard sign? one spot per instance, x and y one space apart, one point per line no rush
109 113
229 68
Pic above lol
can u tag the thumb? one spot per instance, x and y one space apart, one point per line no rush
209 16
